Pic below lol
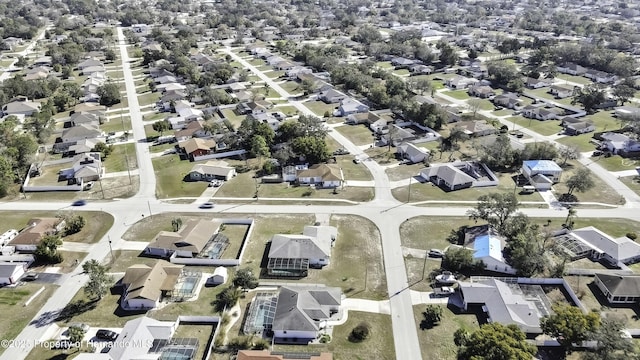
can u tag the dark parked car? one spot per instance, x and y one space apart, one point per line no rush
79 203
104 334
30 276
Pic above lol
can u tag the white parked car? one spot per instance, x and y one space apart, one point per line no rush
446 278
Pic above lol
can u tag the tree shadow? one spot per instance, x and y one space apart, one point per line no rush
76 308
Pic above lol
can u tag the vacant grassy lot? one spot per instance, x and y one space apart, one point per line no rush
575 79
287 110
320 107
123 155
548 127
170 174
437 342
291 87
15 315
582 142
351 170
404 171
601 192
357 134
117 124
380 341
384 64
275 74
257 62
456 94
401 72
428 191
616 162
148 98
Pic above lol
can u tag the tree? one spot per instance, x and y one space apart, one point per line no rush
525 252
245 279
580 181
495 341
227 298
420 85
495 208
176 224
99 281
109 94
47 249
360 333
109 55
313 149
22 62
458 259
103 149
161 126
624 91
611 345
474 105
590 97
259 147
432 315
568 152
569 325
461 337
76 334
448 55
505 74
539 151
74 224
498 154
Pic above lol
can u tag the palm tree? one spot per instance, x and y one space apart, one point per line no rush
571 213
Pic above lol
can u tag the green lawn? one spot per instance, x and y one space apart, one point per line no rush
457 94
257 62
633 182
401 72
616 162
601 192
384 64
266 92
287 110
576 79
320 107
548 127
485 104
148 98
170 173
233 117
380 341
117 124
15 314
264 67
357 134
604 120
117 161
541 93
97 225
291 87
437 342
275 74
503 112
582 142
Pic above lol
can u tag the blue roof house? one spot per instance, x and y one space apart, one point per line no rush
542 174
488 248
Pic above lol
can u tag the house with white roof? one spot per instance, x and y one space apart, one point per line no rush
412 153
86 167
542 174
619 143
212 170
592 243
502 303
350 106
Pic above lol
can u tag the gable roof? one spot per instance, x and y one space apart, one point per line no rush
301 308
266 355
619 249
328 172
412 150
216 168
618 285
36 229
488 244
314 243
194 144
147 282
139 333
449 173
542 165
84 130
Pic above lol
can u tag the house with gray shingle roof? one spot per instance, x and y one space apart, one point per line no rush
459 175
619 289
412 153
301 309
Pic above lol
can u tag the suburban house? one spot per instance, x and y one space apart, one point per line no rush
21 107
502 303
145 286
619 289
300 311
141 338
193 129
82 146
253 107
350 106
11 272
332 96
212 170
476 128
481 91
560 92
600 76
572 69
368 118
459 175
197 147
460 82
539 112
627 112
29 238
542 174
421 69
86 167
293 255
89 63
272 355
321 175
532 83
412 153
72 135
574 126
590 242
487 247
189 241
402 63
619 143
508 100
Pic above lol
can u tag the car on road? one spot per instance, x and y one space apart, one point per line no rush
79 203
207 205
436 253
446 278
104 334
30 276
357 161
82 326
341 151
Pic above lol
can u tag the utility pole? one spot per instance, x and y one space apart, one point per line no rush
110 248
126 154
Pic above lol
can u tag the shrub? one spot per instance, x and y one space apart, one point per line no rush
325 338
632 235
360 332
